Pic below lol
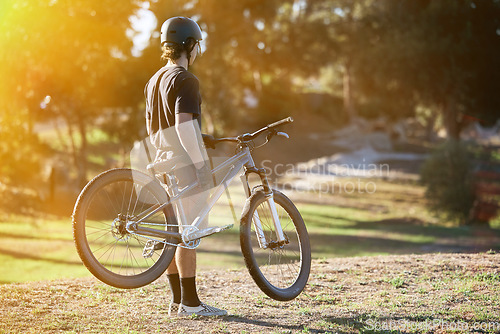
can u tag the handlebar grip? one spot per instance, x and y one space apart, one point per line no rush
209 141
283 121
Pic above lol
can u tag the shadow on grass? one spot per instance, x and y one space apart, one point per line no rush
4 235
24 256
363 324
401 234
391 236
413 226
349 245
366 323
408 225
273 326
340 239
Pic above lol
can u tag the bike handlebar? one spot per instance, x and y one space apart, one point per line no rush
211 141
283 121
269 127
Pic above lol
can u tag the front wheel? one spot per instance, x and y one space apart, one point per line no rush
280 270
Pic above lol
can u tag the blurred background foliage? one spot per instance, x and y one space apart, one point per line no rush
76 65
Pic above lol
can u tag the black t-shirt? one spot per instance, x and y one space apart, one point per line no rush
170 91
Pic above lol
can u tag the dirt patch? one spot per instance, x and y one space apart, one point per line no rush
344 295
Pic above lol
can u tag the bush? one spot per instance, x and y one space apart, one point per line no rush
447 175
16 200
21 154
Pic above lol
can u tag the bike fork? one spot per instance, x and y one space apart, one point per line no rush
276 220
263 242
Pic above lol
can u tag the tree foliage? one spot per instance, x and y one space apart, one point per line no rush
383 58
73 51
438 54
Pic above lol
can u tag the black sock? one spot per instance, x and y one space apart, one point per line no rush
175 286
189 294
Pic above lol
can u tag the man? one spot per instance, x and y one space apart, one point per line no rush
174 124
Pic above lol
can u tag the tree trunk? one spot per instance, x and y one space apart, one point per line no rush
82 160
452 119
74 150
349 107
60 137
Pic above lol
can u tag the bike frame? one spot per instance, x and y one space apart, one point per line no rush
242 159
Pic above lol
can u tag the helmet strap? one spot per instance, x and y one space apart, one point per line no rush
189 48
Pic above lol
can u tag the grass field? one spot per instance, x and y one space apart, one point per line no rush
392 220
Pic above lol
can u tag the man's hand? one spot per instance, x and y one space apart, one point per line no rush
205 179
208 140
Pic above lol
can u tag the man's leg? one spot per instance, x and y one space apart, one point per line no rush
181 274
182 271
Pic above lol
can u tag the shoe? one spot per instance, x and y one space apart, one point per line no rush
173 309
203 311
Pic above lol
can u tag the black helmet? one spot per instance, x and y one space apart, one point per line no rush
179 30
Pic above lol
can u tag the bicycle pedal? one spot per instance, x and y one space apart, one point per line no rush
149 248
226 227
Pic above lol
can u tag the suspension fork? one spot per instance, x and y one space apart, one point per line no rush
271 204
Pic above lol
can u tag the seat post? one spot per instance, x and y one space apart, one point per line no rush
173 190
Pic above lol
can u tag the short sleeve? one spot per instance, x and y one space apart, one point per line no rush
188 97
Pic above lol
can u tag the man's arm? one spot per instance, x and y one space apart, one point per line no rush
190 137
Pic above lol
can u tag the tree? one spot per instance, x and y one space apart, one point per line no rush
437 53
72 51
340 37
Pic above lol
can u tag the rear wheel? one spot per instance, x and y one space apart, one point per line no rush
281 270
104 208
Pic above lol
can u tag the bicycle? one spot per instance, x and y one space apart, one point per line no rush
126 230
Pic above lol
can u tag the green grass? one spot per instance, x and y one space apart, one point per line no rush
383 223
349 232
37 249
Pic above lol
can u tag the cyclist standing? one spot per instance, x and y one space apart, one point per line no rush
173 116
